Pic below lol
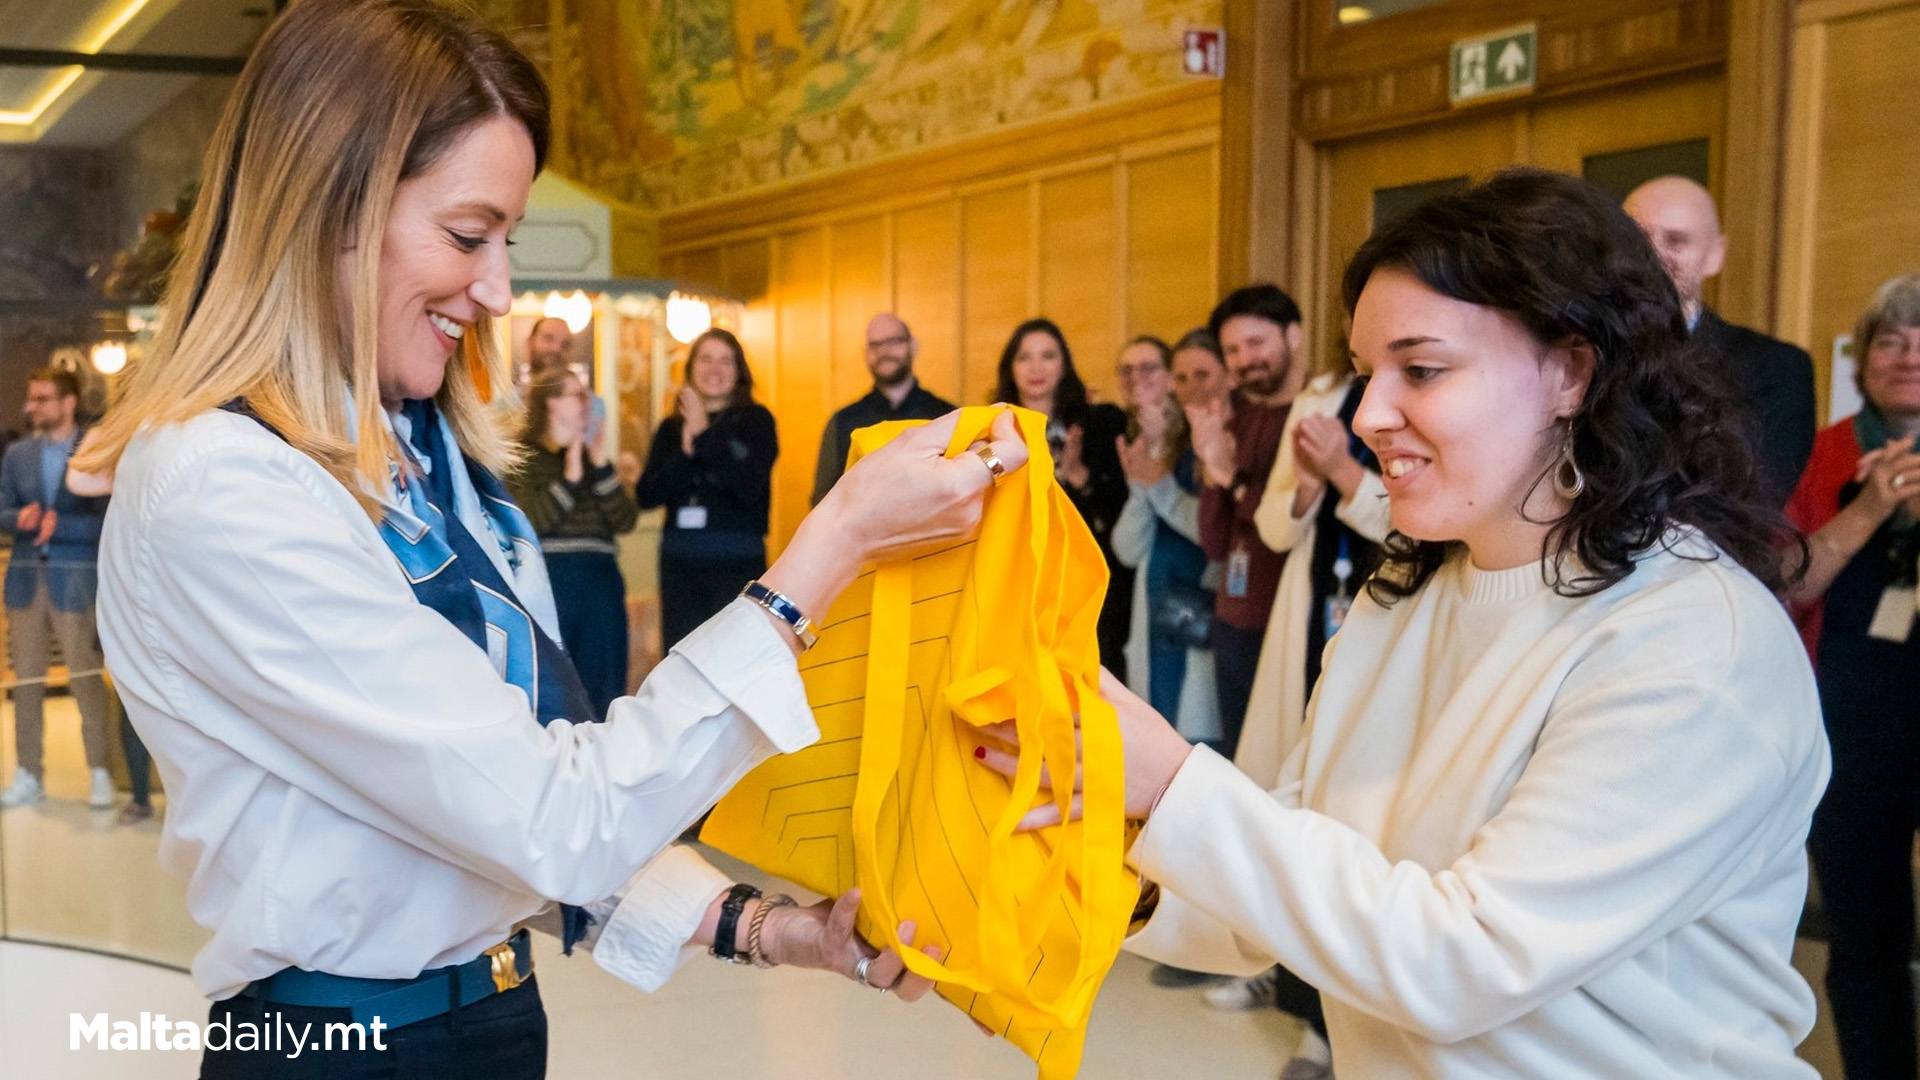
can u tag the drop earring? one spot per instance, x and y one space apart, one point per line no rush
1568 480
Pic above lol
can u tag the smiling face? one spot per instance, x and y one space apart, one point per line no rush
1891 377
1463 407
712 374
1259 353
1199 377
1144 379
1037 368
567 411
889 351
443 260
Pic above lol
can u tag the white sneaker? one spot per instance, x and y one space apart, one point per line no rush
101 797
1312 1059
24 789
1242 995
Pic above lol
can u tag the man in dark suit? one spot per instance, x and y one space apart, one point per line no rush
51 581
1776 378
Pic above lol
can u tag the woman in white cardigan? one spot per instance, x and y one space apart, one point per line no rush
1548 814
1317 463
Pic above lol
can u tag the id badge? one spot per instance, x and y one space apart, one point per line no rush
1239 568
691 517
1893 619
1337 608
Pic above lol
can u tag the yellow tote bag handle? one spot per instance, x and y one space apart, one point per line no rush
1006 663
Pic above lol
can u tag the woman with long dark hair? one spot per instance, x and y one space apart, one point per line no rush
577 506
711 466
1547 816
1859 506
1036 372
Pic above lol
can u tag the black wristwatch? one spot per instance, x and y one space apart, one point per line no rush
729 924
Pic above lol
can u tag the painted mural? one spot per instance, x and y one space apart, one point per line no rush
666 103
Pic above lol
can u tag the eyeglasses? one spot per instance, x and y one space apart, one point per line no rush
1135 371
889 343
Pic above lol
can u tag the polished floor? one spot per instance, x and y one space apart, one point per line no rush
70 876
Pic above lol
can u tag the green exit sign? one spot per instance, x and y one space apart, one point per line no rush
1495 64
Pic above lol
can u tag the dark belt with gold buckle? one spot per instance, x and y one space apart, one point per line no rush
399 1002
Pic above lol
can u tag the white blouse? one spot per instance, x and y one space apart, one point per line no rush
353 788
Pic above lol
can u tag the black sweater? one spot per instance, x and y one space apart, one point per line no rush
730 474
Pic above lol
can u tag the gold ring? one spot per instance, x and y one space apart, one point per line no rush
994 465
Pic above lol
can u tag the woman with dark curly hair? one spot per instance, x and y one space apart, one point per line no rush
1547 816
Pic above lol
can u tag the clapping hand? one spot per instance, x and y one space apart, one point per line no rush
1889 477
28 519
693 418
1213 444
1139 461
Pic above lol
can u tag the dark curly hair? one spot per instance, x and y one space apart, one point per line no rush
1661 436
1070 399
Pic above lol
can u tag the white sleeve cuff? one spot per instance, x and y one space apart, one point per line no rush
648 930
1180 933
743 655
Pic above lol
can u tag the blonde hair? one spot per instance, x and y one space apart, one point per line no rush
341 101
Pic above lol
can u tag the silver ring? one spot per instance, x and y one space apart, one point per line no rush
994 465
860 970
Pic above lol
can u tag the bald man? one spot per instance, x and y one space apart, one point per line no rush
1776 378
896 395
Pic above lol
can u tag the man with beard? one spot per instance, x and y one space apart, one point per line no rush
50 586
1774 378
1236 441
896 395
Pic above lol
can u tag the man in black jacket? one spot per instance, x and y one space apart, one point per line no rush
1775 378
896 395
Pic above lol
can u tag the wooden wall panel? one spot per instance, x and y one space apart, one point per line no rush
1081 278
996 241
860 290
1109 236
1851 219
801 404
926 281
1170 221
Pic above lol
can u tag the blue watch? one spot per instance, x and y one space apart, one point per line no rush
784 610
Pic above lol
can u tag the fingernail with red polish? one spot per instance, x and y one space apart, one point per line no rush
980 752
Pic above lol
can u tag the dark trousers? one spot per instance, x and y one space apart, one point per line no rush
694 590
1862 848
139 762
1166 674
1236 656
503 1037
1296 998
591 597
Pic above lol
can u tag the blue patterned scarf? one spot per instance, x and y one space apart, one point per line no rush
452 574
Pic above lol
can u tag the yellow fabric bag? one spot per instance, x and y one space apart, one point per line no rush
914 656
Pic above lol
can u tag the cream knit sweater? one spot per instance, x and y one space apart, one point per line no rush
1524 835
